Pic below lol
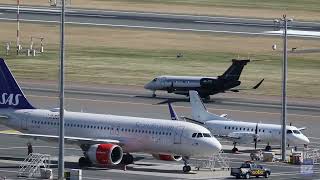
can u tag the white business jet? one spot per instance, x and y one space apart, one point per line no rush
104 139
240 132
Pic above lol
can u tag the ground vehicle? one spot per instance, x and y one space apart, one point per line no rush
248 169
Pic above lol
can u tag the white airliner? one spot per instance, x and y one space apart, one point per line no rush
240 132
103 138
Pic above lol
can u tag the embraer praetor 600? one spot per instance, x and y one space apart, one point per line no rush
205 86
104 139
240 131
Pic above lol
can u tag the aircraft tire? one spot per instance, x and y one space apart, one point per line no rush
268 148
234 150
186 169
127 159
84 162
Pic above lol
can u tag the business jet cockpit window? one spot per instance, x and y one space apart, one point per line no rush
296 132
289 132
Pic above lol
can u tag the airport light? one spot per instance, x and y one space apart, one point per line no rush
18 26
285 21
61 97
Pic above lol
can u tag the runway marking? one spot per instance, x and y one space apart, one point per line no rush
160 28
135 103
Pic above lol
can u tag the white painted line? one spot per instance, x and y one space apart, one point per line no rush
235 23
296 32
161 28
146 104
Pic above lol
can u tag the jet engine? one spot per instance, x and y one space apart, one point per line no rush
105 154
166 157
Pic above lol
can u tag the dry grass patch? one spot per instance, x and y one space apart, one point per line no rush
83 36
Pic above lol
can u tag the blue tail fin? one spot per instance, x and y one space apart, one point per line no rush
173 114
11 95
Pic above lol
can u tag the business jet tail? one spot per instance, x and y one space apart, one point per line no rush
199 111
11 93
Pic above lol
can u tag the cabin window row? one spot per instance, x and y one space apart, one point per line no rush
104 128
244 129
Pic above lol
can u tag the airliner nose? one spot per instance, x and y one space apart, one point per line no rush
213 147
217 145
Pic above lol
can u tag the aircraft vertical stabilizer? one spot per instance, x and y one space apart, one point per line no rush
11 94
199 111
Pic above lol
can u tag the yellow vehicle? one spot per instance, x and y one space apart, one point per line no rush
249 169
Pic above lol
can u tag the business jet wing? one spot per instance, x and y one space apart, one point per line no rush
302 128
241 137
68 139
241 89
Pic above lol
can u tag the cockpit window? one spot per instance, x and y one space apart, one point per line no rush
296 132
289 132
206 135
194 135
199 135
155 79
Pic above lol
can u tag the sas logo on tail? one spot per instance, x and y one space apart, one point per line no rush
10 99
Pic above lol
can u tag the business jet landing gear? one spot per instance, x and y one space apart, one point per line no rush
268 147
234 149
186 168
84 162
127 159
154 94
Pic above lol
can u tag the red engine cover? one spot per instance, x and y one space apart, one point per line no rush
101 153
104 154
167 157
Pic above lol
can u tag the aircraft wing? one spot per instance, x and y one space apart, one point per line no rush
68 139
241 137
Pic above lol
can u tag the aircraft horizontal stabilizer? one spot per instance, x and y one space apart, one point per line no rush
257 85
254 87
69 139
301 129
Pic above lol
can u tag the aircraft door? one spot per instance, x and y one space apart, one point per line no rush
24 121
178 134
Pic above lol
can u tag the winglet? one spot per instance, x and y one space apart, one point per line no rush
173 114
258 85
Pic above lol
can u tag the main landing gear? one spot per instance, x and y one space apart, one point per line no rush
268 147
154 94
186 168
84 162
234 149
127 159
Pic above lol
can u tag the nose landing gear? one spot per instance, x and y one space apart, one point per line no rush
154 94
186 168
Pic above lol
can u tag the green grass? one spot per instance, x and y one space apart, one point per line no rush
306 5
136 67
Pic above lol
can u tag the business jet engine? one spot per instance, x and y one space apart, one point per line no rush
166 157
105 154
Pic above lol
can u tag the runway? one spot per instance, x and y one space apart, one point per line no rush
158 21
134 101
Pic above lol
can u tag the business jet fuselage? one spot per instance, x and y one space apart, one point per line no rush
103 138
204 85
